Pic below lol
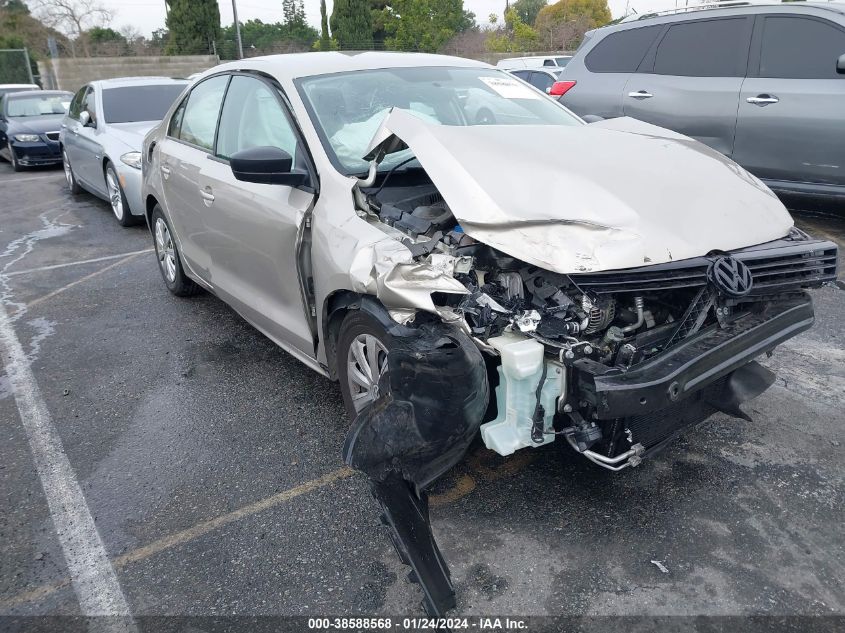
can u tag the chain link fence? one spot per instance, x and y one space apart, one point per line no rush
15 66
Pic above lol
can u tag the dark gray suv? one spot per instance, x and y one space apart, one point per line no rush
763 84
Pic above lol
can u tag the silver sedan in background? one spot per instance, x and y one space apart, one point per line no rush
101 138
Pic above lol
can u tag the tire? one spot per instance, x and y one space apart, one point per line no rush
72 184
360 328
13 159
117 199
169 260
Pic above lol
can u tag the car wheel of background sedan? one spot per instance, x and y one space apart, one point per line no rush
13 159
71 179
117 199
169 262
362 350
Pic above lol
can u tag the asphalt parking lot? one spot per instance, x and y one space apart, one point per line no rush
210 462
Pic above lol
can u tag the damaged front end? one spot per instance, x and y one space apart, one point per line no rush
614 361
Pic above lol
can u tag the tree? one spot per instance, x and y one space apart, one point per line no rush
73 17
262 38
194 26
562 36
527 10
325 40
596 12
352 25
425 25
516 36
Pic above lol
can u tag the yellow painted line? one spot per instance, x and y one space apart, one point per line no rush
189 534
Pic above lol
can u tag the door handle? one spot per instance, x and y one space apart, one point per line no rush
762 100
640 94
165 171
206 195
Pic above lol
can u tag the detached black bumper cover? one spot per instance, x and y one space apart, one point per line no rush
420 428
691 366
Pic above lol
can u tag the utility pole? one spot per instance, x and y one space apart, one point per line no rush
237 29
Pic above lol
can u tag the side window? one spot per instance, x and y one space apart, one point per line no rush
76 103
623 51
89 104
541 81
522 74
176 119
199 121
253 117
800 48
704 48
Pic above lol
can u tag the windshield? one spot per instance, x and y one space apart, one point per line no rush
38 105
139 103
347 108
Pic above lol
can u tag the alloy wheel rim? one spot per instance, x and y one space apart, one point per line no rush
115 197
165 251
366 362
68 172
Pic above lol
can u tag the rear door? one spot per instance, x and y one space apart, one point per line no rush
690 80
791 120
255 227
602 74
182 154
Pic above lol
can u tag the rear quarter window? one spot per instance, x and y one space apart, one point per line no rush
621 52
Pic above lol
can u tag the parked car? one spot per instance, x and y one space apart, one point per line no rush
611 283
547 80
4 88
762 84
29 127
534 61
101 138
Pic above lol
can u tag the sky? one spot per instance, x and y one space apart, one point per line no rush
148 15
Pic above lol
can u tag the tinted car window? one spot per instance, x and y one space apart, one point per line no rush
799 48
541 81
89 104
253 117
176 120
621 52
139 103
200 120
76 103
522 74
705 48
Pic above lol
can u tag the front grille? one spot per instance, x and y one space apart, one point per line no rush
53 136
653 428
776 267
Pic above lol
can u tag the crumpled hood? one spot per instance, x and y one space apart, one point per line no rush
132 134
615 194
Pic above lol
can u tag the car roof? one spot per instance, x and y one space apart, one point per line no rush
293 65
136 81
41 93
19 86
727 7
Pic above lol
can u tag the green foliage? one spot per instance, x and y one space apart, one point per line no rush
351 23
100 35
517 35
425 25
596 12
325 40
527 10
194 25
293 12
267 38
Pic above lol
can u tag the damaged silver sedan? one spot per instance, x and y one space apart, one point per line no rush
465 256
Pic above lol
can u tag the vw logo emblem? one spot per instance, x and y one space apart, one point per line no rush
731 277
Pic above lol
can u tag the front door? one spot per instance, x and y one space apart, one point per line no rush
791 121
253 227
693 85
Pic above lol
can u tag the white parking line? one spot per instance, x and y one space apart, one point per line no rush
91 573
78 262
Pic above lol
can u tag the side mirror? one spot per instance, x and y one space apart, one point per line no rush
85 118
265 165
592 118
840 64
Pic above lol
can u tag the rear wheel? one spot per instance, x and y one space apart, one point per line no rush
71 179
169 262
362 349
117 199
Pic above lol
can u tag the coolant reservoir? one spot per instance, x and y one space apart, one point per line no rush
516 395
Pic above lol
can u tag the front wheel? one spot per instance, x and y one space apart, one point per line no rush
169 262
71 179
117 199
13 159
362 349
